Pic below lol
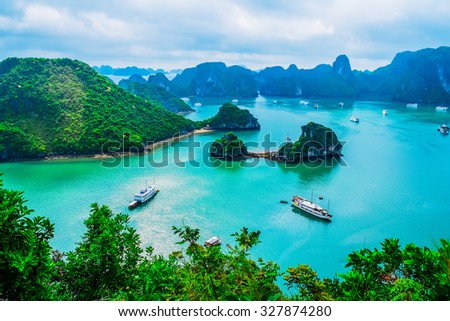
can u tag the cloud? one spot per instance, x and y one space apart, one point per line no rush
179 33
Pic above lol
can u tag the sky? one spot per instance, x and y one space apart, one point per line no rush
174 34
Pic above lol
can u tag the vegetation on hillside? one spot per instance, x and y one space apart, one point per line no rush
157 94
231 116
62 106
228 147
109 264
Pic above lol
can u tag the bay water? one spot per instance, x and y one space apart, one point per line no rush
393 181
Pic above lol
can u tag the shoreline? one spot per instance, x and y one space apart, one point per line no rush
147 149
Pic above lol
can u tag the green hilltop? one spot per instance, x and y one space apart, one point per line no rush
64 107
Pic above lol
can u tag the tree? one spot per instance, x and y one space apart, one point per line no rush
391 273
107 259
26 267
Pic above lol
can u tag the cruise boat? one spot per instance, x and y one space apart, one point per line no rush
311 208
443 129
213 241
412 105
143 196
354 119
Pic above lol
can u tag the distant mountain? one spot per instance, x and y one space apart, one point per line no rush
215 79
422 76
156 89
323 80
127 71
63 106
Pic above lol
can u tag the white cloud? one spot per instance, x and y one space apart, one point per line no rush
180 33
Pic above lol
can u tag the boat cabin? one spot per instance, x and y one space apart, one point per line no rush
213 241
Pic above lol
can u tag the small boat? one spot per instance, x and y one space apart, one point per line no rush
275 102
412 105
304 102
310 208
235 101
341 104
283 202
213 241
443 129
143 196
385 112
316 106
441 108
197 104
354 119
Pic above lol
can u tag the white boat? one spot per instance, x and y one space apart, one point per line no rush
441 108
304 102
143 196
316 106
213 241
341 104
443 129
385 112
354 119
412 105
235 101
311 208
197 104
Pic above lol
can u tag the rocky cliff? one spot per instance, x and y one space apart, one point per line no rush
422 76
323 80
215 79
315 141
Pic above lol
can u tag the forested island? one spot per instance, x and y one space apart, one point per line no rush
54 107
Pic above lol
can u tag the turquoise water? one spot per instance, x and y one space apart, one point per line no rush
393 182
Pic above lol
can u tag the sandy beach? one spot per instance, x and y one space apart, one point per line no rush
148 148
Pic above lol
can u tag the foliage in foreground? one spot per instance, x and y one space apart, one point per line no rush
110 264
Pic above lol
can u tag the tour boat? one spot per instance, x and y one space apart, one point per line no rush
213 241
443 129
143 196
311 208
354 119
